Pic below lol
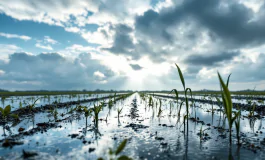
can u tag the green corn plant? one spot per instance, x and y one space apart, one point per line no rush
177 98
237 124
251 112
31 106
3 100
170 108
186 91
96 110
5 112
228 105
87 112
119 112
151 102
180 106
20 105
114 154
54 113
160 109
110 103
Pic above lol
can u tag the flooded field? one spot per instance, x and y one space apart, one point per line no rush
153 130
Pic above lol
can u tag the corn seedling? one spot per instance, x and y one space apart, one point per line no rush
251 112
31 106
237 124
228 105
170 108
119 112
54 114
151 102
3 100
114 154
96 110
160 109
6 112
87 113
186 90
20 105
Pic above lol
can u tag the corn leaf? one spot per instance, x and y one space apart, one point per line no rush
7 110
227 82
181 76
121 146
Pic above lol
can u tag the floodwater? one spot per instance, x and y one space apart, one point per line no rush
149 136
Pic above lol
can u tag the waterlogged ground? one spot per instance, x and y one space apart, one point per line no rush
149 136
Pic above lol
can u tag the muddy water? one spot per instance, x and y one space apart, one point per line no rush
149 136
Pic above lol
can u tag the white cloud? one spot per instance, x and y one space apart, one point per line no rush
72 29
2 72
7 49
99 74
49 11
74 50
49 40
47 47
103 35
7 35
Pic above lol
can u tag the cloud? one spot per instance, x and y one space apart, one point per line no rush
49 40
49 11
232 22
136 66
7 35
123 42
46 43
2 72
53 71
47 47
7 49
72 29
210 59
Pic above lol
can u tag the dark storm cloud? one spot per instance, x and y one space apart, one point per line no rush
136 67
249 71
210 59
122 41
232 23
52 71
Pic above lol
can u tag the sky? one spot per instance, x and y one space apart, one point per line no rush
131 44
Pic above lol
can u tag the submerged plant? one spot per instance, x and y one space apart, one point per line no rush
186 90
159 109
170 108
3 100
228 105
7 111
87 113
151 102
114 154
31 106
119 112
54 113
96 110
237 123
20 105
251 112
